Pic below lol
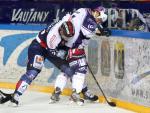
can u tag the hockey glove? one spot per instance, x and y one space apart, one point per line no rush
106 32
61 54
103 31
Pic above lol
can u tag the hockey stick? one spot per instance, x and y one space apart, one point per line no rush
113 104
4 97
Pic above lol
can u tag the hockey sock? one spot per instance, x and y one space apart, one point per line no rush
61 81
78 81
21 87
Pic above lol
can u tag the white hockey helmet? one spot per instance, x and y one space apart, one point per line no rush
102 14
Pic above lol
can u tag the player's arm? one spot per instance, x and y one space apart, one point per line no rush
101 31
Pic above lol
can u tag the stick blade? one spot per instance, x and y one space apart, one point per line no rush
113 104
4 97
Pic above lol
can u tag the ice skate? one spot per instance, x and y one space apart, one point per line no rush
55 96
14 101
89 96
75 97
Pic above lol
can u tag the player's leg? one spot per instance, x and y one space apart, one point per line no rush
60 83
23 84
34 66
61 80
77 85
87 94
77 61
78 79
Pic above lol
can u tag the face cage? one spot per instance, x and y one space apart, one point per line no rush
97 13
65 37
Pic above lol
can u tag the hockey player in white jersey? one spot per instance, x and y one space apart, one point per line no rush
85 21
43 47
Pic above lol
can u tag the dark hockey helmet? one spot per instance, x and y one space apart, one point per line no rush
67 30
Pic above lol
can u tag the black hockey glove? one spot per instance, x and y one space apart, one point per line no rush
106 32
103 31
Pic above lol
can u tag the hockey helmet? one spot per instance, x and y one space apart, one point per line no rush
67 30
100 8
102 14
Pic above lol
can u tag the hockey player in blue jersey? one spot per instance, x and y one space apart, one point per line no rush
86 24
44 47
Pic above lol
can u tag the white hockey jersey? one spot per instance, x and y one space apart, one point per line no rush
85 26
50 38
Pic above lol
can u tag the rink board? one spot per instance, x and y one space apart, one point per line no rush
122 70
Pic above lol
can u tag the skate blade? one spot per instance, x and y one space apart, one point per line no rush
90 101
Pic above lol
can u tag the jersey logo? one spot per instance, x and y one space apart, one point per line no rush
51 43
90 26
38 62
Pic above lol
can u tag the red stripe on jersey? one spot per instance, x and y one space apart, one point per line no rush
18 84
76 53
43 44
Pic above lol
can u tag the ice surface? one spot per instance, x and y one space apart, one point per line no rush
37 102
